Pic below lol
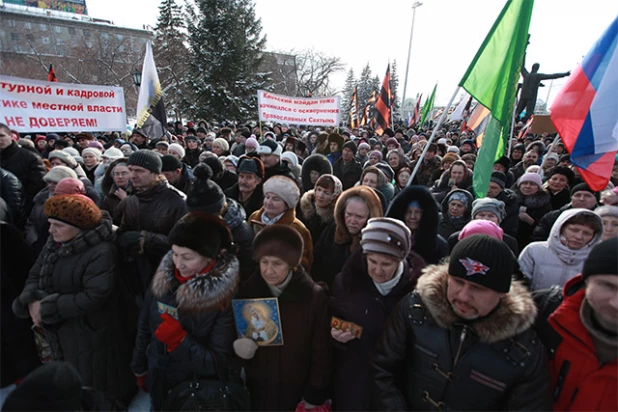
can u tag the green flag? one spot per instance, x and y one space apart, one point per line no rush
492 80
428 106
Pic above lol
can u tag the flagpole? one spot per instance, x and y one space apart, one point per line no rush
405 82
512 127
433 135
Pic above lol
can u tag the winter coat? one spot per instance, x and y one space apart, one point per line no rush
242 235
288 218
355 298
550 262
510 224
426 241
336 244
90 173
18 351
37 226
559 199
29 169
441 189
110 200
154 211
77 285
192 157
537 206
518 170
318 163
279 377
250 205
424 176
226 180
186 178
448 224
11 190
202 306
316 219
429 359
542 230
579 381
349 173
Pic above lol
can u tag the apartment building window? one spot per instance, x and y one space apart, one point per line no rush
104 35
11 22
61 51
59 41
86 33
121 48
58 29
72 30
17 48
28 25
120 37
45 40
43 27
14 36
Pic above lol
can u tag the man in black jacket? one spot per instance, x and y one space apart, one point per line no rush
248 190
347 168
497 190
463 340
27 166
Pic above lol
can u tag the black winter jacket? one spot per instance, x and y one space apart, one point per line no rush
29 169
192 157
510 224
11 190
197 306
430 359
76 283
252 204
242 235
348 173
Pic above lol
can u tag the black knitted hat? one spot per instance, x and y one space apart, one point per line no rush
602 259
203 194
170 163
147 159
499 178
484 260
583 186
350 145
202 232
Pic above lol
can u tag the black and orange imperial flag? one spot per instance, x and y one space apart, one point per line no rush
354 115
417 111
367 118
51 74
383 105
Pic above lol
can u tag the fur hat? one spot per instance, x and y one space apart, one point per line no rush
317 162
55 386
488 204
387 236
93 151
147 159
223 143
281 241
530 177
176 148
285 188
56 174
607 210
602 259
112 153
484 260
336 138
203 194
290 157
270 147
75 210
392 141
69 186
251 165
64 156
205 233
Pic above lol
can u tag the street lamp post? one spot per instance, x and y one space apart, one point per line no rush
137 78
405 82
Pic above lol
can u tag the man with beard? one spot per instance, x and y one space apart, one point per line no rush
248 190
531 157
463 340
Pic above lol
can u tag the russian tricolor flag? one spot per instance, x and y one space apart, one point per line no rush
585 112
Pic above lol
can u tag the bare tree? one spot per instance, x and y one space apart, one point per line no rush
314 70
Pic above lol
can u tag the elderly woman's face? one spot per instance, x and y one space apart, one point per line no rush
62 232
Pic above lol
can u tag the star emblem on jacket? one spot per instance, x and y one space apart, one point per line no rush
474 267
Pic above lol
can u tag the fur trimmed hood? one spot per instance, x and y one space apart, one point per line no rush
342 236
203 292
316 162
514 315
536 201
309 209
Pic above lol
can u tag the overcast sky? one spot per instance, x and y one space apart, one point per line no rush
447 33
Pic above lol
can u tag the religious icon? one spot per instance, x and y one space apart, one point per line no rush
258 320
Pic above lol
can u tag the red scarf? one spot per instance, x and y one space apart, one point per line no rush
183 279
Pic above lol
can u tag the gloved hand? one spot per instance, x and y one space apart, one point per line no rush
128 242
170 332
141 382
245 348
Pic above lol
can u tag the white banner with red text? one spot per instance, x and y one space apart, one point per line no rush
315 111
42 107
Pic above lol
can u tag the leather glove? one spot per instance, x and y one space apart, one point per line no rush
141 382
128 242
245 348
170 332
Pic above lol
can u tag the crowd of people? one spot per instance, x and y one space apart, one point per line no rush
122 254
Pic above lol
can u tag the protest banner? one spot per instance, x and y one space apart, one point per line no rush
315 111
37 106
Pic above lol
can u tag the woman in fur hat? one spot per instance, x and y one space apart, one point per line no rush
318 205
281 196
314 166
186 321
373 280
558 185
71 294
281 377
